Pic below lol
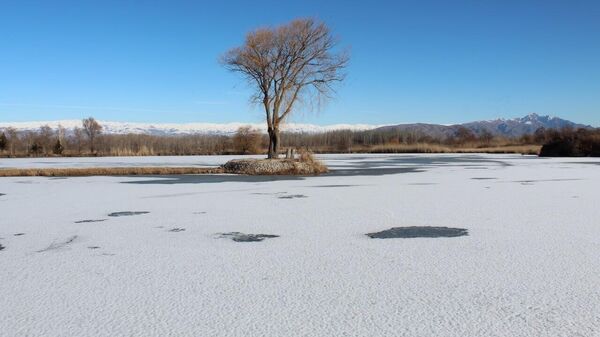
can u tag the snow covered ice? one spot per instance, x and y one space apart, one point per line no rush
529 266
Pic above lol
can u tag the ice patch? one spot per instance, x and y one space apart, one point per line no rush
90 220
127 213
241 237
292 196
418 232
59 245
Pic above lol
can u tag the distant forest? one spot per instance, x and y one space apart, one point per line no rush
90 141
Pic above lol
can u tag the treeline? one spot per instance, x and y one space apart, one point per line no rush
348 141
48 142
89 140
571 143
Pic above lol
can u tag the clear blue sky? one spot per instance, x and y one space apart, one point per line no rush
442 62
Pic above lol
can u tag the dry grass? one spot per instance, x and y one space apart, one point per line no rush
307 157
435 148
518 149
107 171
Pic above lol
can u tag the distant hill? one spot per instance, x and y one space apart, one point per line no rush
515 127
504 127
172 129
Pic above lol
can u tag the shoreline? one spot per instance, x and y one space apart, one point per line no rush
392 149
107 171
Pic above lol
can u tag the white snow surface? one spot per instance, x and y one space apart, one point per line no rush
530 265
113 127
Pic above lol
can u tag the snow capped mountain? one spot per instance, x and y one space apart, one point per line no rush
524 125
514 127
181 128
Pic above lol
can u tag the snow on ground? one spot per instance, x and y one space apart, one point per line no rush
530 265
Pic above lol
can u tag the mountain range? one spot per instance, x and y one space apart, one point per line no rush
502 127
515 127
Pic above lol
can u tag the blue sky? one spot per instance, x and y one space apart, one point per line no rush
411 61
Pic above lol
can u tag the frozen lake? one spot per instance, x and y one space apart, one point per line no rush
159 256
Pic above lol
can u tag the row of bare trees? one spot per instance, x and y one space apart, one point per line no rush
47 141
89 140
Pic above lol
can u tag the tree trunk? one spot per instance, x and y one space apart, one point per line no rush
273 143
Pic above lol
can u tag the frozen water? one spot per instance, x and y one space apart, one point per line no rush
529 266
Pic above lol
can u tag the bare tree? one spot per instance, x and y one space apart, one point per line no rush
247 140
13 139
92 129
44 139
3 142
486 137
60 133
287 64
78 138
464 135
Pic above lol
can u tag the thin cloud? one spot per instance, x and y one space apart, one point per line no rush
85 107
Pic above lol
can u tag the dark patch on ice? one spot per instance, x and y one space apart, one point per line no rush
476 168
58 245
372 172
473 161
57 178
585 162
127 213
108 254
422 184
2 247
199 213
209 179
93 247
24 182
342 166
418 232
18 234
176 230
90 220
292 196
1 194
532 181
483 178
334 186
268 193
242 237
